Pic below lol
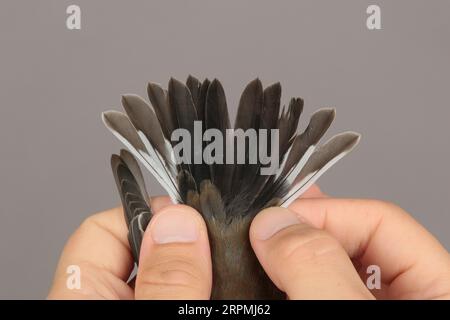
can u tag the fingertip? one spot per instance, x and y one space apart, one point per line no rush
270 221
175 258
302 260
160 202
174 223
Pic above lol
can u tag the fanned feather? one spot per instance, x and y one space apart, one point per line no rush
325 157
227 195
123 129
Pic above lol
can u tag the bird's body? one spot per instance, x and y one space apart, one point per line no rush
228 195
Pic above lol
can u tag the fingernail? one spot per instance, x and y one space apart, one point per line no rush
174 226
273 222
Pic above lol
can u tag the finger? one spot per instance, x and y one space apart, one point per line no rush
313 192
376 233
99 248
304 262
159 203
175 261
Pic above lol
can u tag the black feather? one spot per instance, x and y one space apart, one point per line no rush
201 105
180 100
319 123
248 117
193 85
250 106
288 122
269 120
166 116
271 106
216 117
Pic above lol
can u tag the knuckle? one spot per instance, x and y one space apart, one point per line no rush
384 206
379 209
91 221
96 221
87 223
175 273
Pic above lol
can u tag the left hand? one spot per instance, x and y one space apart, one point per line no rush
175 260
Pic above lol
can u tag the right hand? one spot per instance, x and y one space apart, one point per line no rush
320 248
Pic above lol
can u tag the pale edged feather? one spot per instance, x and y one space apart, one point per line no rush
318 125
135 170
300 151
324 158
119 124
136 207
143 118
288 122
131 195
136 232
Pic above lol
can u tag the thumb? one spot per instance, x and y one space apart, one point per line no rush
304 262
175 260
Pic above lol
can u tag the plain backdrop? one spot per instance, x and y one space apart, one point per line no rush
391 85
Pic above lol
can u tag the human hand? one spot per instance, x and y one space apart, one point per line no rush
320 249
175 260
170 268
306 260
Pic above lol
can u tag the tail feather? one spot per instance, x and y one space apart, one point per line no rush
194 85
325 157
227 195
166 116
216 117
146 129
134 199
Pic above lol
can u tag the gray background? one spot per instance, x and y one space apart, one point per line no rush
391 85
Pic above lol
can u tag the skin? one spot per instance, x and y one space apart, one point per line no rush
318 248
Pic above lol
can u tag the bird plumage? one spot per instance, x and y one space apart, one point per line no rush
227 195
